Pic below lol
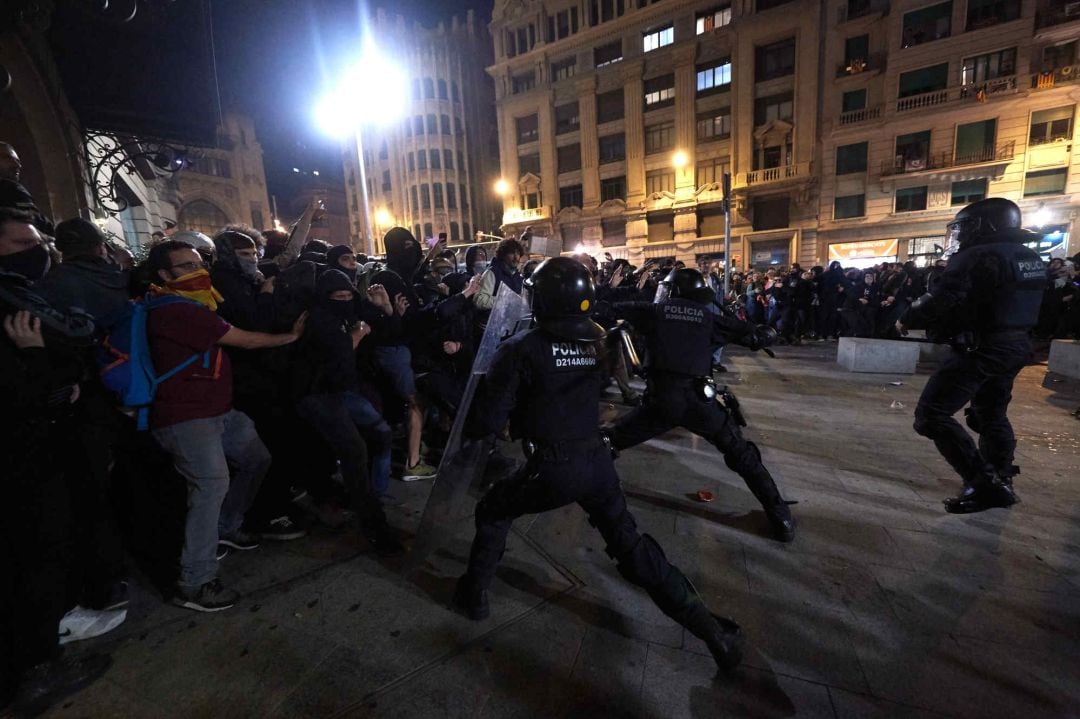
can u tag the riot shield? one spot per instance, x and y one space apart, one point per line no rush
463 462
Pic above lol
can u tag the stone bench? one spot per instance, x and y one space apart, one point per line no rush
860 354
928 351
1065 358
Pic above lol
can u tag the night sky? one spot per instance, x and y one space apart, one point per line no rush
276 58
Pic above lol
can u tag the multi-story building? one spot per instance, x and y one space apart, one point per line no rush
927 106
839 123
432 171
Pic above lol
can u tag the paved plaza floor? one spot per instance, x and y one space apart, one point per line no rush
884 606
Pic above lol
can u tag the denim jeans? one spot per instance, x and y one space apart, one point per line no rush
202 451
356 431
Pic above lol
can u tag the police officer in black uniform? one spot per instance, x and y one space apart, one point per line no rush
682 334
548 381
985 305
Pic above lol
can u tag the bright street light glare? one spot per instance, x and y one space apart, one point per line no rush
679 159
374 92
502 187
1040 217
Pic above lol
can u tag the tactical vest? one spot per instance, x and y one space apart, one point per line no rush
559 395
1014 302
681 343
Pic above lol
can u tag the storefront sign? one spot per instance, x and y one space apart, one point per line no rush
884 249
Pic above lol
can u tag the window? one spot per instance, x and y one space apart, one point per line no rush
412 163
520 40
460 160
612 148
851 158
213 166
466 232
769 4
386 181
984 13
455 229
421 160
437 196
849 206
613 232
613 188
775 60
451 196
529 164
968 191
609 106
457 126
1050 125
464 200
714 125
432 128
528 129
566 118
412 196
605 10
429 88
563 69
660 92
661 226
569 157
659 137
927 79
530 200
987 67
853 100
436 159
975 141
715 77
522 83
710 172
428 231
1045 182
448 159
444 124
571 235
926 24
570 196
607 54
425 197
659 181
658 38
416 231
416 88
442 90
911 199
712 19
454 91
856 49
563 24
202 216
418 125
774 107
912 151
408 127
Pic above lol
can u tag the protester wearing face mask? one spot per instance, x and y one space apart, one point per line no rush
503 271
433 287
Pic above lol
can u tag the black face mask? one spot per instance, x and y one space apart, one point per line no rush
344 310
31 264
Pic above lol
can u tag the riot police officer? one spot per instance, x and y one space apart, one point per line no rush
548 381
682 334
985 304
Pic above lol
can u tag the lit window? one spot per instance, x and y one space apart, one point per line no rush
712 19
659 38
714 77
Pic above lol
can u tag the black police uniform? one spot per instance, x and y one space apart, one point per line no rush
987 301
549 388
681 335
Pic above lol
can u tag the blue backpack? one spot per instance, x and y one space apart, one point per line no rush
126 365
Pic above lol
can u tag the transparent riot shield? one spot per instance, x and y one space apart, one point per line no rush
463 462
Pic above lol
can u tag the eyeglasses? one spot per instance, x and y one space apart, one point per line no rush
189 266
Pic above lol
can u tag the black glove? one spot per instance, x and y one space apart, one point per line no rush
761 337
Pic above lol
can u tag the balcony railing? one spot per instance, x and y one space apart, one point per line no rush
1052 78
1069 12
773 174
515 214
852 117
860 8
949 159
857 66
972 92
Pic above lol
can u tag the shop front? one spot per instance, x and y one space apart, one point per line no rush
864 254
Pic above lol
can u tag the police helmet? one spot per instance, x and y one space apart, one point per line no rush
562 294
979 222
197 240
684 283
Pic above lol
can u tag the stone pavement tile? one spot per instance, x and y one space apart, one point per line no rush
858 542
105 699
846 507
680 684
859 483
216 666
849 705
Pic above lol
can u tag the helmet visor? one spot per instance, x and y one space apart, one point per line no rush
959 231
663 292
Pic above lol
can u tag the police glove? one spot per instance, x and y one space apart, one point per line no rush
761 337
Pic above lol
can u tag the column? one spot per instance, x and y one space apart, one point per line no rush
685 141
549 172
634 131
590 147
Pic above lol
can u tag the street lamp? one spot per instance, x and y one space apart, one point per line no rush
679 160
502 188
371 92
1040 218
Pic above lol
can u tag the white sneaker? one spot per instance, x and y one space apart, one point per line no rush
82 623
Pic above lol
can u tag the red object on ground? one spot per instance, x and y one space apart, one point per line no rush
704 496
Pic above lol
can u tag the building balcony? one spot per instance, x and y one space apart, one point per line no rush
861 8
989 155
1067 75
853 117
800 171
515 215
1057 14
875 62
973 92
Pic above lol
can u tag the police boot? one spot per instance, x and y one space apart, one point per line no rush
471 600
678 599
987 492
781 521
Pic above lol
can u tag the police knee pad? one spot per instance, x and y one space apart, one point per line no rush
745 458
644 564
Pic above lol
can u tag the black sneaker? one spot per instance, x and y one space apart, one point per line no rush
239 540
472 601
210 597
979 497
282 529
45 684
781 522
725 642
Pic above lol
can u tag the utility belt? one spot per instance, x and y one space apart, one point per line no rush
969 341
706 390
561 450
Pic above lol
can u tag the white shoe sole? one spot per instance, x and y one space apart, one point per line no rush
188 604
102 624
